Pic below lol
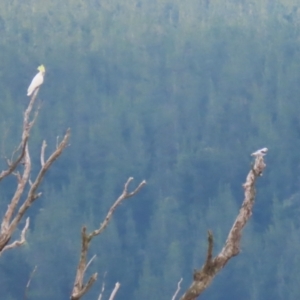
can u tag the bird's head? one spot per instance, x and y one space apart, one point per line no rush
42 69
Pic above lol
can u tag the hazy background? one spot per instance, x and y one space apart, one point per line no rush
178 93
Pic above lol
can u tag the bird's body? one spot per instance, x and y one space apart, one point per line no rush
260 152
37 80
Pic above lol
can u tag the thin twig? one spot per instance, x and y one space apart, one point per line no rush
44 145
123 196
115 290
103 287
28 283
89 262
178 289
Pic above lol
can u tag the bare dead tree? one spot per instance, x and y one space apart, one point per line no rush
16 210
80 288
204 276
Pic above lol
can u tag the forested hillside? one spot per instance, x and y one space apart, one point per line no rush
178 93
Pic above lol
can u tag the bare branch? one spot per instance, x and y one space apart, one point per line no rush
114 292
178 289
16 198
204 276
103 287
12 217
12 165
22 239
89 284
36 113
44 145
32 196
85 287
18 175
122 197
8 226
209 256
27 125
88 264
57 138
28 283
79 288
9 161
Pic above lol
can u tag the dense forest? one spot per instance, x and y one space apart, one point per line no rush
178 93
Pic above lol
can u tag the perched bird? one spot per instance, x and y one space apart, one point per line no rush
37 80
260 152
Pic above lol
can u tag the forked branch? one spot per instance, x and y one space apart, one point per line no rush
32 194
79 288
27 125
12 216
122 197
204 276
22 239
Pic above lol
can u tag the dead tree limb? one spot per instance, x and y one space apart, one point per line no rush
204 276
79 288
13 215
27 125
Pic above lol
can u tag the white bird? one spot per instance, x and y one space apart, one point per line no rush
37 80
260 152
